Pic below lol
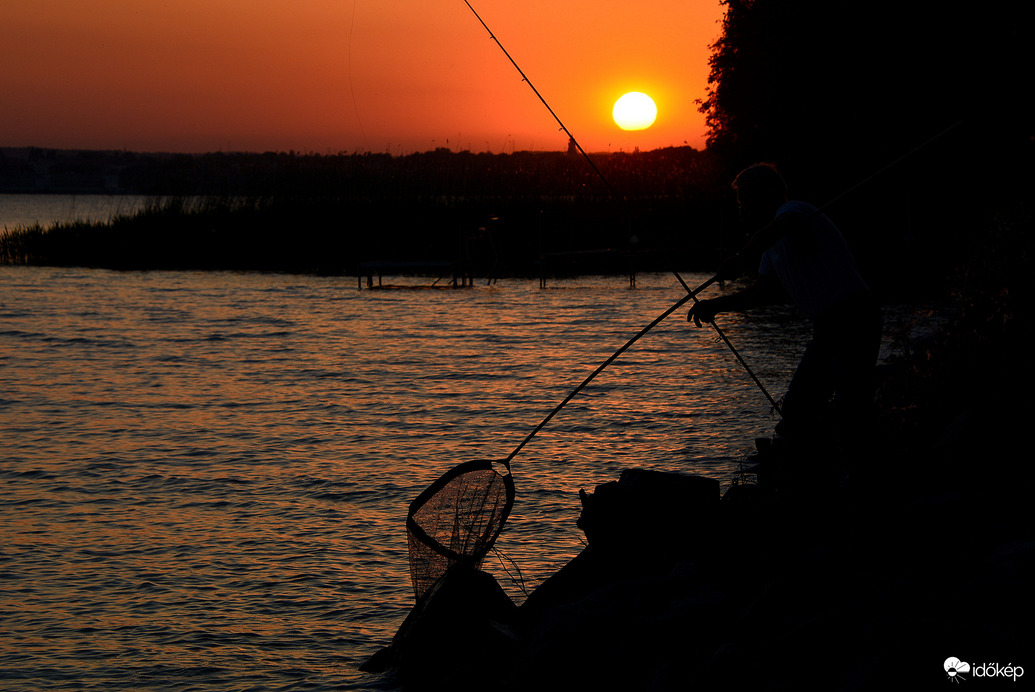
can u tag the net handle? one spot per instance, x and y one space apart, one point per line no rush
691 294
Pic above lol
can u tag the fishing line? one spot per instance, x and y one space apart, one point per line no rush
901 158
516 576
352 86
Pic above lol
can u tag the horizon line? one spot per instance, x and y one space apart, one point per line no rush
342 152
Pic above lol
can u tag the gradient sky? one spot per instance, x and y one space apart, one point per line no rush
393 76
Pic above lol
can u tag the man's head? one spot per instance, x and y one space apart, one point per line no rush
761 190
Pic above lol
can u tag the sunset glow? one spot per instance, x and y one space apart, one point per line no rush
343 75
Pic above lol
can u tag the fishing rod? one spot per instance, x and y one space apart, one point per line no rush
895 162
527 81
736 354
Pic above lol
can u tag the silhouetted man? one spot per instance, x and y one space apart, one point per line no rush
804 253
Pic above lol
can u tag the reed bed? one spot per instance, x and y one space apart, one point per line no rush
333 234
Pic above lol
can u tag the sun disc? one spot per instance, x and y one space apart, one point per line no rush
634 111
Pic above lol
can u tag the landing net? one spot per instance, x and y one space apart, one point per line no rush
457 519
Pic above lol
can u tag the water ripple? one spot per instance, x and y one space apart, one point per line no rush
207 474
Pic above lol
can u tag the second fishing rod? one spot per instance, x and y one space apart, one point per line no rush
692 293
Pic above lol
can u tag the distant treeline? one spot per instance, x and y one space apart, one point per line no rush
673 171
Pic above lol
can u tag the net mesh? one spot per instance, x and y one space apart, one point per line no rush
457 519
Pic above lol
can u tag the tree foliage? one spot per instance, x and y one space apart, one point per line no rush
814 84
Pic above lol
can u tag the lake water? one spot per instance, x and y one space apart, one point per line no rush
206 475
20 210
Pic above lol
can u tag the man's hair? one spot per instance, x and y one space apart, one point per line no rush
761 181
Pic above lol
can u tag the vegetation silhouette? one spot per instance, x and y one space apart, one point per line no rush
294 212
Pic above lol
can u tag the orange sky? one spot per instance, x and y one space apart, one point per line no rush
392 76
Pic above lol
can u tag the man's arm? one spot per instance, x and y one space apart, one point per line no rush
759 293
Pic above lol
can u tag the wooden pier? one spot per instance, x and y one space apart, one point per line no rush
575 262
461 276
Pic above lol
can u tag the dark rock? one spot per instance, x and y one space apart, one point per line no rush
458 633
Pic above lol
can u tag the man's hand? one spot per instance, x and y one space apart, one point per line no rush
704 311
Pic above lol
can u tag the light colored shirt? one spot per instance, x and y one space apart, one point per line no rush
815 267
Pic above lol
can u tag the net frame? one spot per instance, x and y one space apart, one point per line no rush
457 519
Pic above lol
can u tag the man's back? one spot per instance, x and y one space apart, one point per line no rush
812 261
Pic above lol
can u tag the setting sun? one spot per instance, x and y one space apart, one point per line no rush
634 111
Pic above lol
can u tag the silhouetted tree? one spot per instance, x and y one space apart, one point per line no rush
818 85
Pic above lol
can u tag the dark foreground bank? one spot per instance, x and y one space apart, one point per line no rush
838 589
843 589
